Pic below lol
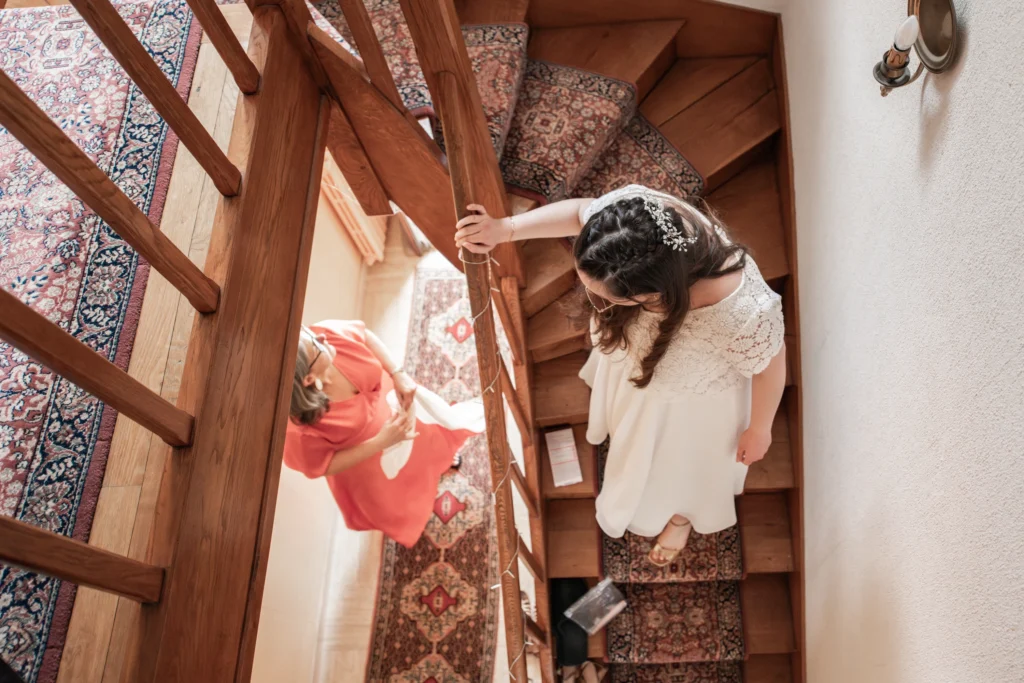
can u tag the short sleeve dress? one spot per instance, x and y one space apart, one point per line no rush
400 507
673 443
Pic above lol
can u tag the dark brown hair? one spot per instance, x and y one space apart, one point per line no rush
622 247
308 404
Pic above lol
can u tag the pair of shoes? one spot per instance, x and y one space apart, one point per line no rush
457 461
668 555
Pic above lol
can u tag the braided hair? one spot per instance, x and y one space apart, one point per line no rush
622 247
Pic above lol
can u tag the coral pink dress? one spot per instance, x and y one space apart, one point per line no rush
367 498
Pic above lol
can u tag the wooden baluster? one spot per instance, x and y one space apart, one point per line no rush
223 38
519 479
44 138
370 51
515 340
516 406
135 60
32 333
532 561
536 633
48 553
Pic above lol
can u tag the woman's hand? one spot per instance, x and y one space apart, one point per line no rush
479 233
400 427
405 387
753 445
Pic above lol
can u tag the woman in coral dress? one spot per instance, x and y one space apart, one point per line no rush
360 422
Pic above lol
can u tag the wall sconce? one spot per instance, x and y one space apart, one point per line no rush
930 28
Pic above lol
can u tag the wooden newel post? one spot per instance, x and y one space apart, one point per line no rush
480 295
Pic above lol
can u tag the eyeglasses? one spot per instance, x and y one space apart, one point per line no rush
316 342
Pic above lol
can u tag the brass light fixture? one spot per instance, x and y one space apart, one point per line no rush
931 30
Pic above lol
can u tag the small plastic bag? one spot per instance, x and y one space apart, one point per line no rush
600 605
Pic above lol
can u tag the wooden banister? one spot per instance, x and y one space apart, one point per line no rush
48 553
532 562
361 25
118 37
44 138
515 405
230 50
32 333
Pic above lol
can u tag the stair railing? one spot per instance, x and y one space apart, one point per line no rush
200 582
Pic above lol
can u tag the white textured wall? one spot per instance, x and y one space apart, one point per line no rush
911 223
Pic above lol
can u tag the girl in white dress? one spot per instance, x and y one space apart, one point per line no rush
688 366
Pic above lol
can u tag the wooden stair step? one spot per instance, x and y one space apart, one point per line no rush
765 534
687 82
573 539
560 397
767 614
597 646
774 472
491 11
768 669
750 207
559 329
588 467
718 132
549 273
638 52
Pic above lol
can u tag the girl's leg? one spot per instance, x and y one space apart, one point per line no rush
671 541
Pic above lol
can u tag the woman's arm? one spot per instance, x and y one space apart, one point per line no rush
379 350
766 393
480 233
405 386
399 427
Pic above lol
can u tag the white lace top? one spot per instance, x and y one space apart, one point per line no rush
673 443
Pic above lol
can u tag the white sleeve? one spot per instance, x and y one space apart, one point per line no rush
760 337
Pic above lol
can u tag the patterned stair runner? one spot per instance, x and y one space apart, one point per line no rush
683 621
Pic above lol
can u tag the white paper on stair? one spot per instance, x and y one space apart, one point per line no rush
431 409
565 461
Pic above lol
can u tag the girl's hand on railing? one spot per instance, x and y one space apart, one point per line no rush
479 233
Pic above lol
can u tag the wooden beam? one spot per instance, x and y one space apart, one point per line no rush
531 561
515 405
215 577
34 334
351 158
437 35
361 25
118 37
223 38
48 553
44 138
409 169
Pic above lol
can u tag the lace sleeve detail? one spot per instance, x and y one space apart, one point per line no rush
760 338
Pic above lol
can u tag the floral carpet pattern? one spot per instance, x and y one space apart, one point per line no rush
437 616
60 258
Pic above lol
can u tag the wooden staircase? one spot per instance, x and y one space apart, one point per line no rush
722 104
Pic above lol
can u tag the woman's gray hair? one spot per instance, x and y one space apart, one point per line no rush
308 403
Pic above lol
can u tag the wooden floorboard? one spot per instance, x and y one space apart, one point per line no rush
100 623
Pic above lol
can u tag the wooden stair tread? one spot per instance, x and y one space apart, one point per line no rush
573 538
559 396
716 132
559 329
597 645
687 82
636 52
765 533
749 206
491 11
774 472
767 614
588 467
768 669
549 273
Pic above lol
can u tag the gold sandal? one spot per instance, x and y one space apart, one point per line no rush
670 554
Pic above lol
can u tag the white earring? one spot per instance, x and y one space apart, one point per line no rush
319 384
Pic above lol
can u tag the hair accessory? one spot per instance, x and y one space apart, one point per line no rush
670 233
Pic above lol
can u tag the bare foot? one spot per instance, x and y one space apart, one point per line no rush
671 541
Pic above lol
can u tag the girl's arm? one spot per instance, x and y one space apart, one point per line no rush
399 427
479 233
766 393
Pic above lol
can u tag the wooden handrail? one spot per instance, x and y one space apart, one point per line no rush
515 405
32 333
44 138
118 37
370 51
48 553
245 73
531 561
